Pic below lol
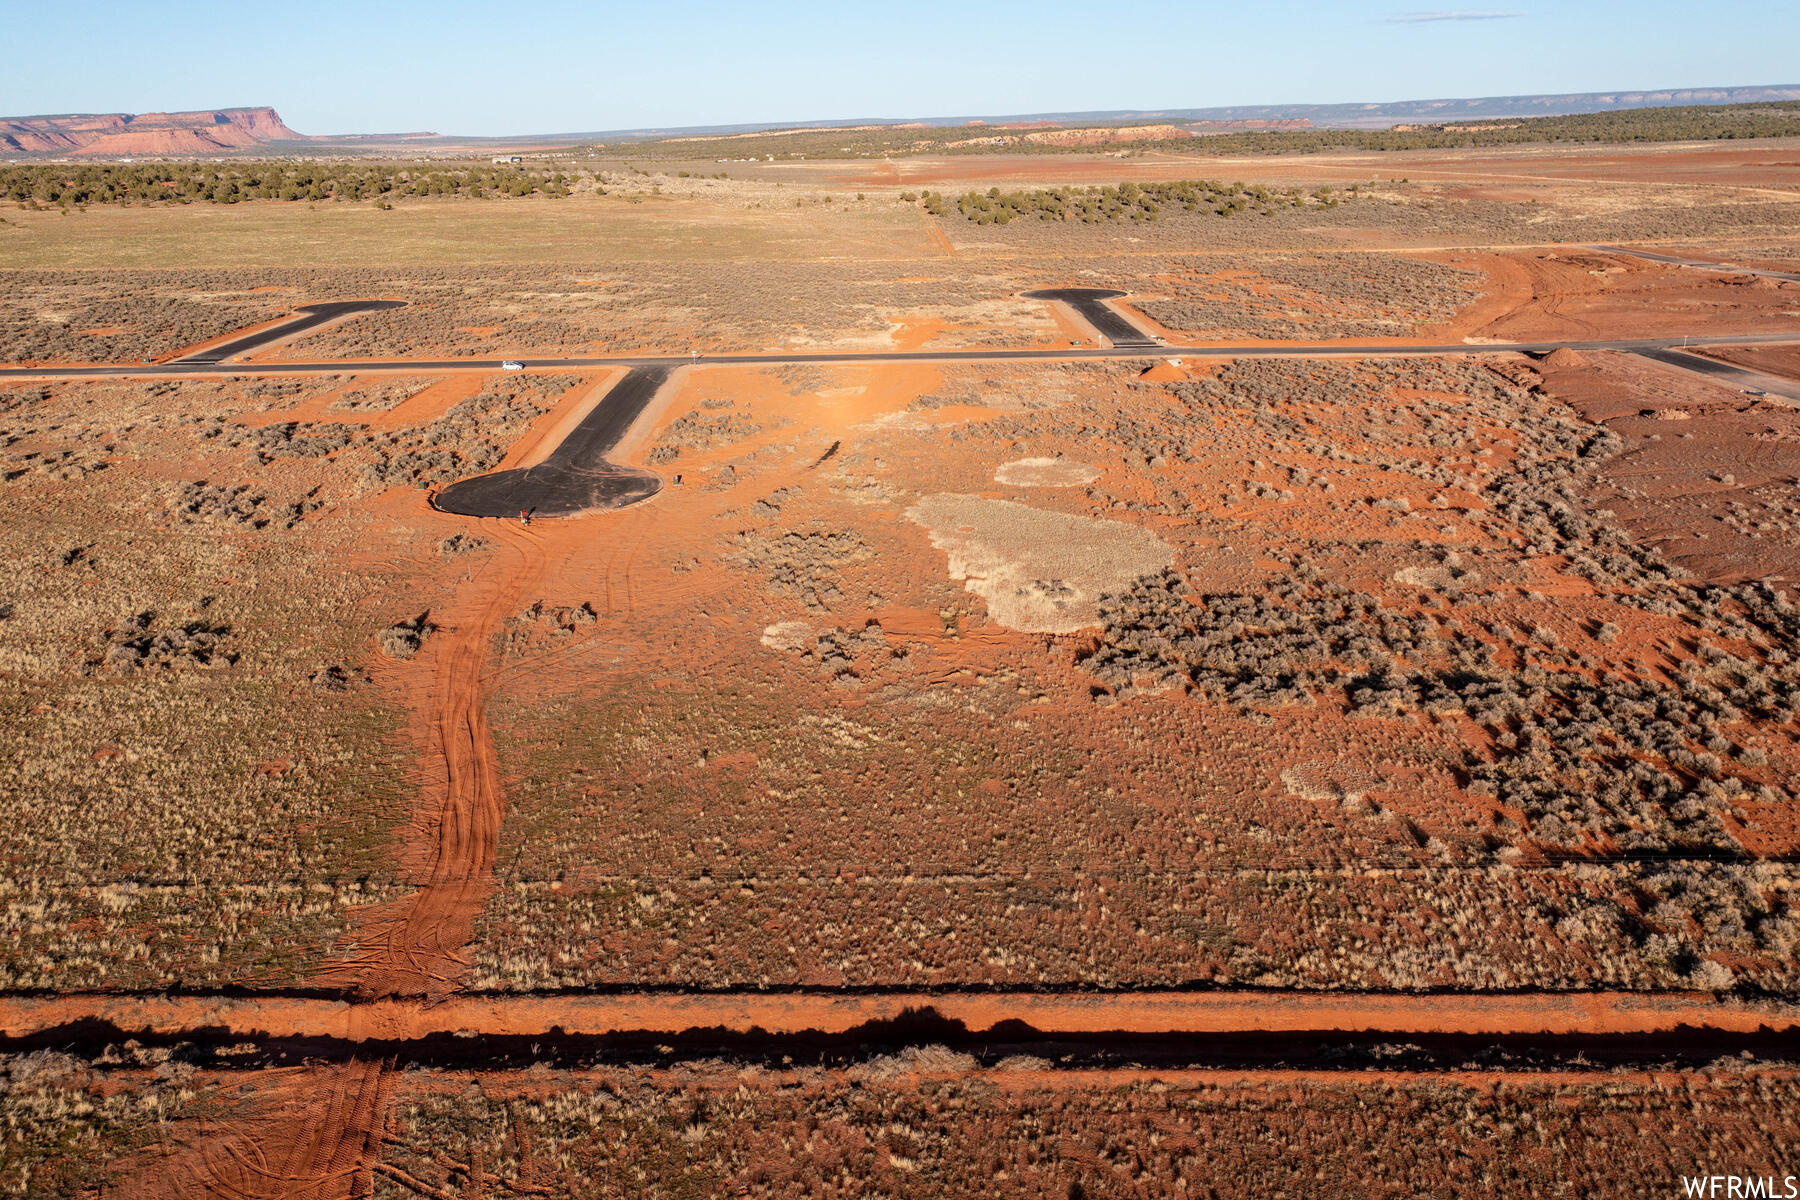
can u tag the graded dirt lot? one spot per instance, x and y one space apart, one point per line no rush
1783 361
1773 163
1084 775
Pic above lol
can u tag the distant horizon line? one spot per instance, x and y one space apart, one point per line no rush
1245 111
1612 99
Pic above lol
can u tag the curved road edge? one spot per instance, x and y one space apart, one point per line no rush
311 316
576 476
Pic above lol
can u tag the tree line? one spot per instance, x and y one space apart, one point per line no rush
1687 123
63 185
1126 202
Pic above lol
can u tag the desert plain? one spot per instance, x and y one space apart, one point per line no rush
1340 736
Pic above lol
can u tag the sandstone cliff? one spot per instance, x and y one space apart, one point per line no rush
106 135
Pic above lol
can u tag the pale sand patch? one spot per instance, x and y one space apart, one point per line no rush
789 636
1425 577
1451 573
1045 472
1042 572
1346 784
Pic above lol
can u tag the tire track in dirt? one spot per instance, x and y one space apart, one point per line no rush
412 950
414 947
939 238
314 1144
409 951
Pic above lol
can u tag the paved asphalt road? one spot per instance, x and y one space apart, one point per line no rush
1091 304
313 316
576 477
1697 262
1298 350
1738 377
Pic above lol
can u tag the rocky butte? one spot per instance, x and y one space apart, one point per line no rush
103 135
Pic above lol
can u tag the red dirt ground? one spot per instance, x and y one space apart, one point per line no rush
1576 294
1773 164
1068 1013
1770 360
1694 448
319 1135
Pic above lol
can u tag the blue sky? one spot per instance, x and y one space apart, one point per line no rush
456 66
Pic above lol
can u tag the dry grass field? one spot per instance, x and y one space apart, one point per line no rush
191 794
641 226
927 1121
1384 678
1381 645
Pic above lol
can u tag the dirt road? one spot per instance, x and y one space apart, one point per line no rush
319 1138
323 1142
414 946
388 1023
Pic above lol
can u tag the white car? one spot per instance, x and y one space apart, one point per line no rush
512 364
